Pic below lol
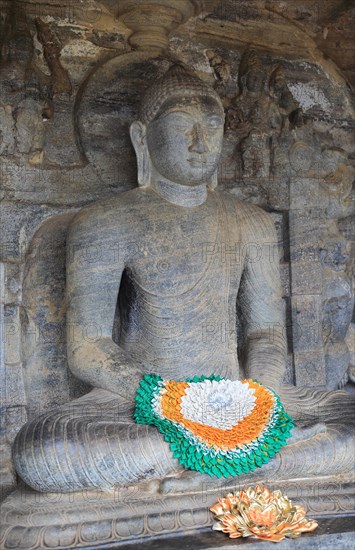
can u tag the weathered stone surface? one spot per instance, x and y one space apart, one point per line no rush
306 277
346 227
13 388
309 365
81 154
123 517
330 534
7 471
12 335
12 283
18 223
14 417
307 322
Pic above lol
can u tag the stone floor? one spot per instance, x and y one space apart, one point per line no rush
332 534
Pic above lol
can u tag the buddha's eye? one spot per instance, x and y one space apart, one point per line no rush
180 124
182 127
181 121
214 123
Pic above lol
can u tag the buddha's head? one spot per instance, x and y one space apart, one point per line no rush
180 132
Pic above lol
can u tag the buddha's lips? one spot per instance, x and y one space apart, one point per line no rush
197 161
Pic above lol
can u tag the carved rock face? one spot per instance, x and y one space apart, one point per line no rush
255 81
185 141
20 49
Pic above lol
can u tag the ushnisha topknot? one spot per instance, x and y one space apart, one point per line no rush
178 82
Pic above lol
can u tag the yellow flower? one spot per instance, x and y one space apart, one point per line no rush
258 512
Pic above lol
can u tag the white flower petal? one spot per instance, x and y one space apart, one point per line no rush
217 404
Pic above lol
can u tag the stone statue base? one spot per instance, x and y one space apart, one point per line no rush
89 519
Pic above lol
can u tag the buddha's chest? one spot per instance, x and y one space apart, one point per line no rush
188 253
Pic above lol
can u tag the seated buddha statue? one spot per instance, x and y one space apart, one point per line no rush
175 260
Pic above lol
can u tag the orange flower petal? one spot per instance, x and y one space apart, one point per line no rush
242 433
217 509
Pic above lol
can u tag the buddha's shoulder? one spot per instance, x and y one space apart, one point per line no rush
252 219
246 210
116 210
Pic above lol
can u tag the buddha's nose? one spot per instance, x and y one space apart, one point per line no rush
198 144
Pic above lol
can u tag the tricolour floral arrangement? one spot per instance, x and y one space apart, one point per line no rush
215 426
259 513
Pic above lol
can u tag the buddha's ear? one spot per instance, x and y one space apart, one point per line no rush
138 133
214 180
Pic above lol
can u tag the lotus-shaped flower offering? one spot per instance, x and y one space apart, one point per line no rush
258 512
215 426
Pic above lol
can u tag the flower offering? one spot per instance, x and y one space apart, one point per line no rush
215 426
258 512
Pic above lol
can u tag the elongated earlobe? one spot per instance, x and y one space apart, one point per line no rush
214 181
139 141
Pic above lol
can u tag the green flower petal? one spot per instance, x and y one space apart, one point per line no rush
196 454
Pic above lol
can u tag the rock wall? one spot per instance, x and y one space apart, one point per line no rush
71 78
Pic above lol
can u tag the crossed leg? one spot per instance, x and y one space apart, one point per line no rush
89 443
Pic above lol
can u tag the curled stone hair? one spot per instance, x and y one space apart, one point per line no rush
178 82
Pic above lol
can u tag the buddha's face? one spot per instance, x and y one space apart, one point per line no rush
185 140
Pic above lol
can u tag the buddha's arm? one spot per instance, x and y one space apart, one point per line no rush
95 263
261 302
